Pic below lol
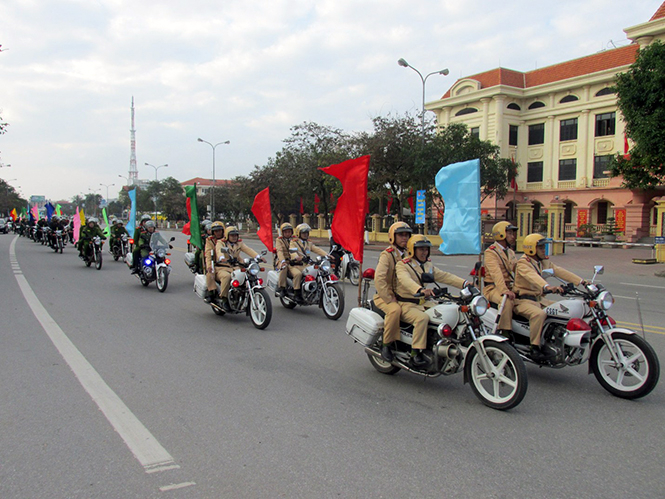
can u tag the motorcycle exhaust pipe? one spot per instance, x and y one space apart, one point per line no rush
448 351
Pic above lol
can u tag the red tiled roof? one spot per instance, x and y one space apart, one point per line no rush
577 67
659 14
206 181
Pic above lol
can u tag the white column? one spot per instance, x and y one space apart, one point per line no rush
584 160
486 118
499 105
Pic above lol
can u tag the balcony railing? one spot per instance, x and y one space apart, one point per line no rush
568 184
601 182
534 186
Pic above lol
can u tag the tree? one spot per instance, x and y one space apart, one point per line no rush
641 100
9 199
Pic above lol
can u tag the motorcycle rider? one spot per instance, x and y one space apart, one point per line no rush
282 246
142 244
304 248
530 286
53 225
86 234
199 256
385 281
233 246
138 232
410 281
117 230
500 261
211 257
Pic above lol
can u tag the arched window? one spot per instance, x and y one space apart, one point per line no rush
568 98
605 91
514 106
536 105
466 110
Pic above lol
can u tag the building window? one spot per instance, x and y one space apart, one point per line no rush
512 135
536 105
605 91
567 169
605 124
534 171
475 132
568 130
568 98
536 134
600 166
514 107
466 110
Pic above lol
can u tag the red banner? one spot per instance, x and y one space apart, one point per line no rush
582 218
620 217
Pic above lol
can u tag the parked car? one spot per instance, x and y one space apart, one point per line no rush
4 228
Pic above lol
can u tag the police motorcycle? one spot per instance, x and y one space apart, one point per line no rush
320 286
456 342
46 235
120 247
348 267
578 329
246 292
94 254
156 266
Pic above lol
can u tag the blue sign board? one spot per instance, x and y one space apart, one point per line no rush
659 240
420 207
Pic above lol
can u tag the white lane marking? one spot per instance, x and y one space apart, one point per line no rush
642 285
624 297
146 449
175 486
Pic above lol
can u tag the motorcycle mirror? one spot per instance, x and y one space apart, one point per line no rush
264 252
548 273
172 239
599 269
427 277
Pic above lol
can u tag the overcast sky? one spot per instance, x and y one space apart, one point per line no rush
247 71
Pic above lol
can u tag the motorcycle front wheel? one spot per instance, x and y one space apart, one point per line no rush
506 385
354 274
332 301
260 309
162 279
637 373
98 260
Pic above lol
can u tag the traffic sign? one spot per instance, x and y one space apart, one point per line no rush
420 207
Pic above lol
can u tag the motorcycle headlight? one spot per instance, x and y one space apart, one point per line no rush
161 253
253 269
605 300
479 305
325 266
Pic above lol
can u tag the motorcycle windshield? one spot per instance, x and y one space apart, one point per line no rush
157 242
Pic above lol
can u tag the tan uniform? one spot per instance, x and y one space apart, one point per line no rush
530 283
223 269
305 248
283 256
499 278
408 284
210 258
385 280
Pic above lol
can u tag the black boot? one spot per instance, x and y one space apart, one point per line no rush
209 296
387 352
280 292
225 304
418 359
298 296
539 354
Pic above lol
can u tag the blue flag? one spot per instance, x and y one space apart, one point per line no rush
459 185
131 224
50 210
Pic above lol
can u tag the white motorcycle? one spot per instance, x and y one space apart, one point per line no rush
456 342
578 329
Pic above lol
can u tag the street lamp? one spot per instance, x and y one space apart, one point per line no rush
107 191
443 72
155 197
212 189
126 178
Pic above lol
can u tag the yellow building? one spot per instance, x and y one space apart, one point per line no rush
561 125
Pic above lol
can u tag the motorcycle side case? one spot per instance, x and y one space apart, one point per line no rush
200 286
190 259
273 279
364 326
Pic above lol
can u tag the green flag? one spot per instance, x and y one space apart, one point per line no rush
193 210
24 213
107 229
58 210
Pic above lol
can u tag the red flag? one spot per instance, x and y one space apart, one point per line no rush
411 201
626 148
390 202
348 225
316 203
263 213
185 228
301 208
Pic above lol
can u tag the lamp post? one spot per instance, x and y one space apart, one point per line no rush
443 72
126 178
212 189
107 191
155 197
